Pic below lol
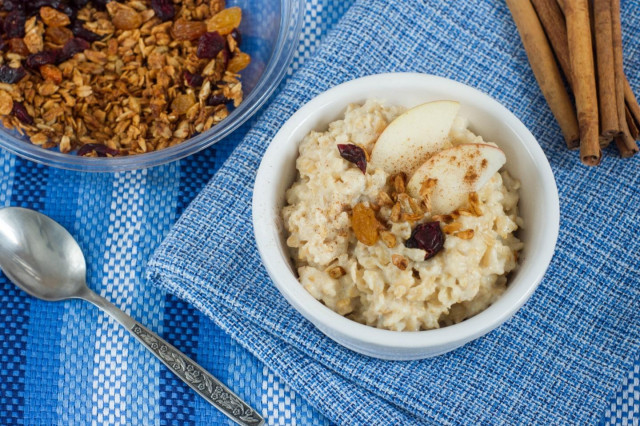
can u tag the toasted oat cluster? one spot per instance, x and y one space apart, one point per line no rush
113 78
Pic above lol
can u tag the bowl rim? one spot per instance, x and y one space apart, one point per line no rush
322 316
291 21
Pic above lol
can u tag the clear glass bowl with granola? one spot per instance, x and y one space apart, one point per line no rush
98 85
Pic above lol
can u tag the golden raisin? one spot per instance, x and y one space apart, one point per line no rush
188 30
51 73
239 62
364 224
54 18
126 18
58 35
225 21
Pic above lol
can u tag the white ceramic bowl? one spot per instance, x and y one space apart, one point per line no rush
525 161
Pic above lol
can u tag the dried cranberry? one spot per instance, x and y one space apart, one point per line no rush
45 57
21 113
100 150
354 154
193 80
11 75
209 45
78 30
215 100
73 46
164 9
235 34
14 24
428 237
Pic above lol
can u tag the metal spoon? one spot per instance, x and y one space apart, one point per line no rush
43 259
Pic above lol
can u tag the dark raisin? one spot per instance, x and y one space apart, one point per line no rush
164 9
21 113
428 237
13 25
73 46
193 80
354 154
78 30
235 34
11 75
209 45
43 58
215 100
100 150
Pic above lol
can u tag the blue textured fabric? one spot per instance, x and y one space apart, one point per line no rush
68 364
558 361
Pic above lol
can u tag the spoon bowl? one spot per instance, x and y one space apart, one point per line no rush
40 256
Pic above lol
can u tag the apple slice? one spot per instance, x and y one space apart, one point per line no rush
459 171
413 136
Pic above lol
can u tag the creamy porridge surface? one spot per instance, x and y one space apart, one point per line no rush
388 285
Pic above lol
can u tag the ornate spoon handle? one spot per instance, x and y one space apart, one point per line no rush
182 366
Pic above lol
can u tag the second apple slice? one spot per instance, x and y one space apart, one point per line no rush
457 171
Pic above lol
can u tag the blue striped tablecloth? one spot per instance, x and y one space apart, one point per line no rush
67 363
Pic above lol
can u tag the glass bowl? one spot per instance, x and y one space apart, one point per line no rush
270 32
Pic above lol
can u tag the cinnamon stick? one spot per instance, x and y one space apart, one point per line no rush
552 20
632 102
584 79
631 123
626 144
607 100
545 68
617 58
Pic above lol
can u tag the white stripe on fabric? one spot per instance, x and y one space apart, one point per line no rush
7 167
111 369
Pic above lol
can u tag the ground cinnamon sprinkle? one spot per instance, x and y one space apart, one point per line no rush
123 78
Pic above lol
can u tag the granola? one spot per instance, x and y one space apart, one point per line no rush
124 78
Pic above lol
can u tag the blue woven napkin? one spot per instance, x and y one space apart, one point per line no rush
557 361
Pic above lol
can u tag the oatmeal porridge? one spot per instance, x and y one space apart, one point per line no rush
406 251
